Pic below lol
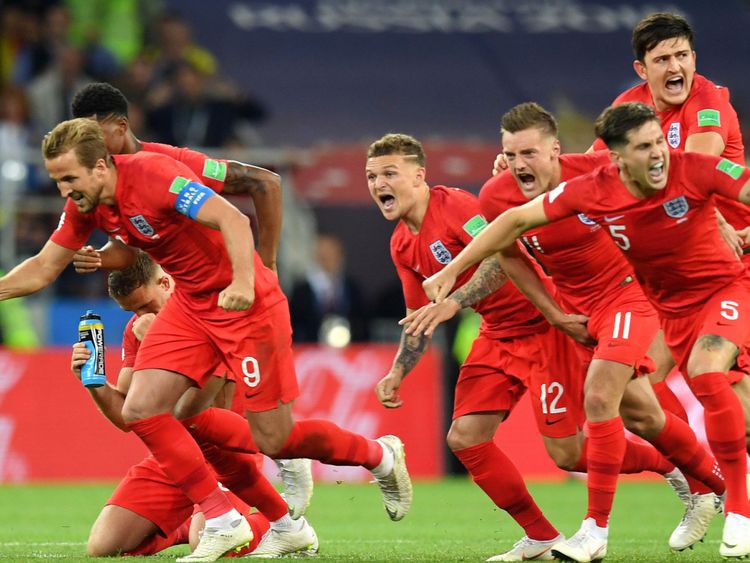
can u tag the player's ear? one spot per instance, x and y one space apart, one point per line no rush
614 156
640 69
165 282
556 148
420 176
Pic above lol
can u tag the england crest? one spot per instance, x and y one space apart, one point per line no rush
673 135
441 253
677 207
142 226
583 218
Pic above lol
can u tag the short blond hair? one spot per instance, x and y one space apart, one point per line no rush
397 143
82 135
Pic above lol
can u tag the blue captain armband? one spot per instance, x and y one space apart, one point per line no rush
191 198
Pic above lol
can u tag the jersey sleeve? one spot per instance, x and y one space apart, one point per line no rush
74 228
712 174
172 186
491 200
563 201
211 172
598 145
709 111
130 345
414 295
464 217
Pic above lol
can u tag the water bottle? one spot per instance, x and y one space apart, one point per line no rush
91 333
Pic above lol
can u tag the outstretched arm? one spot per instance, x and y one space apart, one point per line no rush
114 255
35 273
264 187
488 278
498 235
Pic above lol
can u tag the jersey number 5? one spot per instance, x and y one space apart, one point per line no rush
557 390
251 370
619 236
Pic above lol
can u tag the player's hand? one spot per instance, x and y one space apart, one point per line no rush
79 357
729 234
387 391
438 286
426 319
575 327
237 297
87 260
744 236
500 164
142 324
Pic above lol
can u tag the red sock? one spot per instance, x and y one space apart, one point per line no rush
496 475
678 443
669 401
639 457
331 444
240 474
725 429
606 450
156 542
222 427
181 459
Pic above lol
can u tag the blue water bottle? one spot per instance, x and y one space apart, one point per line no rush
91 333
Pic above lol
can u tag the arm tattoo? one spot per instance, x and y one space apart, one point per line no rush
410 350
244 179
487 279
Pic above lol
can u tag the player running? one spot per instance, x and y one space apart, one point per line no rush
657 208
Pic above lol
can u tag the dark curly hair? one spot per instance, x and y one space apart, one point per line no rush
99 100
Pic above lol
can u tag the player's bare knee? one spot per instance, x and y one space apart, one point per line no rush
97 547
270 444
646 425
711 354
459 438
565 459
599 404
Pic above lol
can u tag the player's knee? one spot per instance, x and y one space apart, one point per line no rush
565 459
269 444
599 404
459 438
100 547
644 425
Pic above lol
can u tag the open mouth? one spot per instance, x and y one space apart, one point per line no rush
656 171
527 180
675 84
388 201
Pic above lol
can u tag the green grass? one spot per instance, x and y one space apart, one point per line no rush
450 520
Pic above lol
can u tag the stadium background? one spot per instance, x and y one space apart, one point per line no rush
323 78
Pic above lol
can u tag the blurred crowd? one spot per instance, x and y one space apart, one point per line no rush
49 49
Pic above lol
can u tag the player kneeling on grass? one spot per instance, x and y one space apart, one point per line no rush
148 512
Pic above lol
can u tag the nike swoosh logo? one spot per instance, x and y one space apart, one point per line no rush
548 423
391 514
728 545
610 219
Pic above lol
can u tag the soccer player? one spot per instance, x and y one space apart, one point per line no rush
109 106
227 307
657 207
595 281
148 513
696 116
516 348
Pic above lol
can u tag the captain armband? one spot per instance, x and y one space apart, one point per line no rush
191 198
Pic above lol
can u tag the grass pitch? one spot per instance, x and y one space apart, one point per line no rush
451 520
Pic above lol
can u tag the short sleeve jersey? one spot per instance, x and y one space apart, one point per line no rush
130 344
706 109
145 215
452 220
584 264
211 172
672 238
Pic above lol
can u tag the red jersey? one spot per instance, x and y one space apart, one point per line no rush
451 221
584 264
706 109
130 344
672 238
212 172
150 189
